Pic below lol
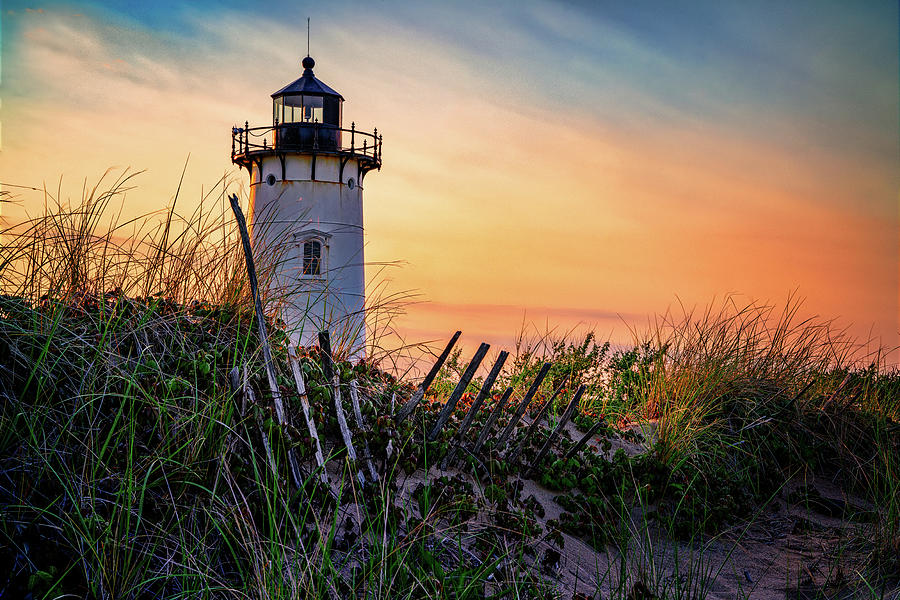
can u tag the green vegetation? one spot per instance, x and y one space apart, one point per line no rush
130 468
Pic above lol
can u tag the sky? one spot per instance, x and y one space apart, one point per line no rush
567 164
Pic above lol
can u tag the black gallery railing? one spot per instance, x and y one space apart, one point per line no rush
305 137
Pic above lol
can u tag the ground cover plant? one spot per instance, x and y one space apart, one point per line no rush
131 466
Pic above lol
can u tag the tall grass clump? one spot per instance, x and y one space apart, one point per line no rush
129 467
747 396
731 402
86 248
117 431
778 389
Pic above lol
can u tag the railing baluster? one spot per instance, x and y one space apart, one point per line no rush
241 145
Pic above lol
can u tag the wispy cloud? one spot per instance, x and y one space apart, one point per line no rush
556 154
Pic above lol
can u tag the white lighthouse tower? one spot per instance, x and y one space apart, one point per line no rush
306 183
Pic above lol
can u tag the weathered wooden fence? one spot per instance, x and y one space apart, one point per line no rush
362 461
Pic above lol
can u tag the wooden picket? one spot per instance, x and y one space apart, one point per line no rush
489 424
304 403
457 393
510 427
365 462
330 375
536 422
419 394
476 406
570 410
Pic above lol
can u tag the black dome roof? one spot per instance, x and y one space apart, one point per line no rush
307 84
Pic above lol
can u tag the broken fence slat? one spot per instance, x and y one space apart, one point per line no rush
570 409
523 405
345 430
476 406
486 430
536 422
417 396
584 439
257 304
304 403
458 391
354 400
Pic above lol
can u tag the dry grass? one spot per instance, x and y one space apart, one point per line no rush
128 469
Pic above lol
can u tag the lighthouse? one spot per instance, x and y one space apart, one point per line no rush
307 174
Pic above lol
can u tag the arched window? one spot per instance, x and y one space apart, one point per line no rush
311 253
312 257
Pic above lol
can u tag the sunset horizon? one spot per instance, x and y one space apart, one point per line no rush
578 168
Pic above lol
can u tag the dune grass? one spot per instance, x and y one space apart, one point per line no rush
130 468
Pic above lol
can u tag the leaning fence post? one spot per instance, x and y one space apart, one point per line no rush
335 380
536 422
562 423
325 354
263 335
458 391
523 405
417 396
584 440
345 430
476 406
486 430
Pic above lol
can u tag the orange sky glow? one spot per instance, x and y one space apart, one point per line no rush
570 168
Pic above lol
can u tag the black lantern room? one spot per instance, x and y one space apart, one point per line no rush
307 113
306 119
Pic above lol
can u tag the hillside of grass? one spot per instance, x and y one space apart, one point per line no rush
133 466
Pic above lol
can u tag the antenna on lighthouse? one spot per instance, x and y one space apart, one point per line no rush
307 36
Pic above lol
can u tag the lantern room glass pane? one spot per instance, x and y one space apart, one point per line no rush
312 109
307 109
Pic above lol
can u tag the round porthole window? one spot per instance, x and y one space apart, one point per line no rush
270 179
351 183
